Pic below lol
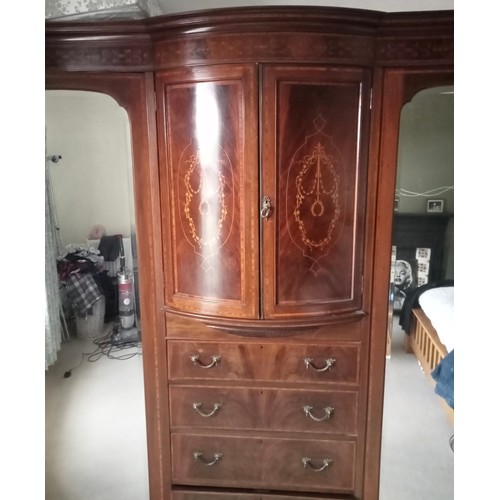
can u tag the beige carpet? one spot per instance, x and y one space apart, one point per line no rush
417 461
95 426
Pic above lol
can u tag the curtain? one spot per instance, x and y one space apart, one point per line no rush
53 330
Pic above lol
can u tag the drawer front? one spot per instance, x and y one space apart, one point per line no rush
211 495
221 495
288 464
338 362
291 410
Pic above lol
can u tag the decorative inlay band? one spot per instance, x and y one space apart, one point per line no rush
92 56
262 47
249 46
428 49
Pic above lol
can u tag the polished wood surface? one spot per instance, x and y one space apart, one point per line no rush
266 331
189 494
259 462
271 70
314 170
271 362
291 410
208 172
316 217
186 494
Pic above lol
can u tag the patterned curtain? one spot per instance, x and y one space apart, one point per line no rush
53 331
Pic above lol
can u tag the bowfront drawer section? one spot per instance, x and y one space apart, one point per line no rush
338 362
264 409
288 464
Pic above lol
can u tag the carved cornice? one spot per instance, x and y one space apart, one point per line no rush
325 35
414 38
98 46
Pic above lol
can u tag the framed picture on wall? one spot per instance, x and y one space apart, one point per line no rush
435 206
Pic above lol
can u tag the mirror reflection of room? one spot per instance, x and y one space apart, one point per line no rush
91 190
424 198
94 372
418 405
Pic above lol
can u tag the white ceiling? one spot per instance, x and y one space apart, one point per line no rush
109 9
176 6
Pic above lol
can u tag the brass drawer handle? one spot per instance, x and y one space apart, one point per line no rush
328 364
198 455
197 409
195 358
307 463
328 412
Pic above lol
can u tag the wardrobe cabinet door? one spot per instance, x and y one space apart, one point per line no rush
314 169
208 175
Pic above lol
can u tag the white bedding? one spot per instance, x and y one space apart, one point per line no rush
438 305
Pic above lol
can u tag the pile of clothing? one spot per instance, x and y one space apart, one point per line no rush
80 271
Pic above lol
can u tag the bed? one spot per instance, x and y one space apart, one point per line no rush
427 319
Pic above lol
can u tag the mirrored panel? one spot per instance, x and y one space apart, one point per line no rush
94 384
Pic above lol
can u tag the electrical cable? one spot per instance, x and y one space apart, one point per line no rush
105 347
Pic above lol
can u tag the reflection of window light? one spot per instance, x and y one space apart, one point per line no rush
207 124
207 136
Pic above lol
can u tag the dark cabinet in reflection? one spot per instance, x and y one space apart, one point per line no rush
412 231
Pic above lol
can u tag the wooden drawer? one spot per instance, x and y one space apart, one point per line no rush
222 495
338 362
291 410
233 461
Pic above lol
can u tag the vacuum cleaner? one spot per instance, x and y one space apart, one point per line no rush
125 328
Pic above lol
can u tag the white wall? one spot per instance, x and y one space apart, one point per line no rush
426 151
426 159
92 182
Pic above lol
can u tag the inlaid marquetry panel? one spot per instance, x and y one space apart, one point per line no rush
208 173
319 117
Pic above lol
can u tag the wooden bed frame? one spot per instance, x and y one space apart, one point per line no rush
424 342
